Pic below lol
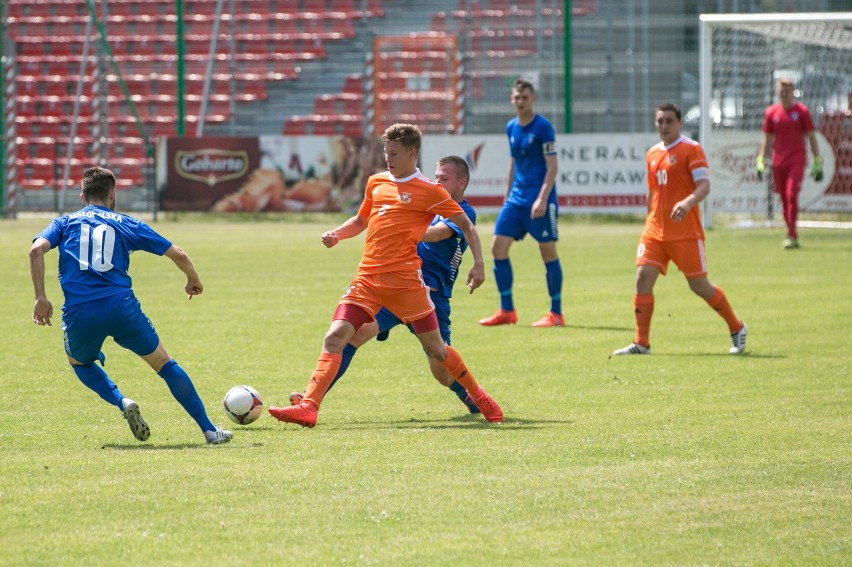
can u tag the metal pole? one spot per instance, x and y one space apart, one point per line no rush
208 75
3 189
705 73
66 171
568 67
232 68
180 47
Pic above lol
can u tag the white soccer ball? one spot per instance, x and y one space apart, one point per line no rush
243 404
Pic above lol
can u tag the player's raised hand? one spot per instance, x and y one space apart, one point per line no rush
42 312
330 239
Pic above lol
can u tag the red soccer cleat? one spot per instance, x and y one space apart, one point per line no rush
502 317
486 404
550 320
301 414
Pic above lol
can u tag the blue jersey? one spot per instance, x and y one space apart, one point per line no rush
94 251
529 145
441 260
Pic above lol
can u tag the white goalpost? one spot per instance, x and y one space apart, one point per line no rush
741 56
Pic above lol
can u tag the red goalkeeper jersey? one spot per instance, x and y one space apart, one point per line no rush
789 125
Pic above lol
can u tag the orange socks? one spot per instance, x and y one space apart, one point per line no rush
720 303
458 370
327 365
643 307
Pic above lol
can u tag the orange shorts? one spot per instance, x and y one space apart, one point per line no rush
687 255
402 293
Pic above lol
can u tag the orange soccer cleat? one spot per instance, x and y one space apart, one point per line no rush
303 414
486 404
502 317
550 320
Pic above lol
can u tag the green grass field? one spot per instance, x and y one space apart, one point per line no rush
686 457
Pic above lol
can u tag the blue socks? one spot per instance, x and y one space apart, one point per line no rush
345 358
554 285
184 392
461 393
94 378
503 276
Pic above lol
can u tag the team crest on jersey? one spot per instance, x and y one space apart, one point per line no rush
672 160
794 116
405 197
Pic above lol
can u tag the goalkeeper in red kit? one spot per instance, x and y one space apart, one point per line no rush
786 124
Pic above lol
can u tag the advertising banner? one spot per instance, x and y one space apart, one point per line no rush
735 187
598 173
200 171
282 173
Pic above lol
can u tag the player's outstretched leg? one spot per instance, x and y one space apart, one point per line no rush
305 412
738 340
465 398
218 436
459 371
138 427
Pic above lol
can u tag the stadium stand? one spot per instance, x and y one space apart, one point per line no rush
277 44
272 38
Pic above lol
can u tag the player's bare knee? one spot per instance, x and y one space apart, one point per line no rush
437 351
337 337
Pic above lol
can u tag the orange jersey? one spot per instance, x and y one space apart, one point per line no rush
398 212
672 171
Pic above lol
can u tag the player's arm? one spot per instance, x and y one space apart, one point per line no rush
702 189
438 232
184 263
540 206
766 142
43 309
816 166
511 177
476 276
352 227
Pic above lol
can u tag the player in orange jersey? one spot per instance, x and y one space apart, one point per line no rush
398 207
678 180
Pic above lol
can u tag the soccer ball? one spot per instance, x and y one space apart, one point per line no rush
243 404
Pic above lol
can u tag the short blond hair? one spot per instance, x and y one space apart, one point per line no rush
408 135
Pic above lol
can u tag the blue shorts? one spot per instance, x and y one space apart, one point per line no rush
87 325
516 221
388 320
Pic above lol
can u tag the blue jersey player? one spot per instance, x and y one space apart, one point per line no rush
531 207
440 251
94 256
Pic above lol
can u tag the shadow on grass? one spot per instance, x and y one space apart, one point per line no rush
747 354
471 421
598 328
175 446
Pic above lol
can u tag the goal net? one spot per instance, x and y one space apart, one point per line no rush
741 58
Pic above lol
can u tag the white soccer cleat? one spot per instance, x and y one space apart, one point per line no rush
219 436
738 340
632 348
138 427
